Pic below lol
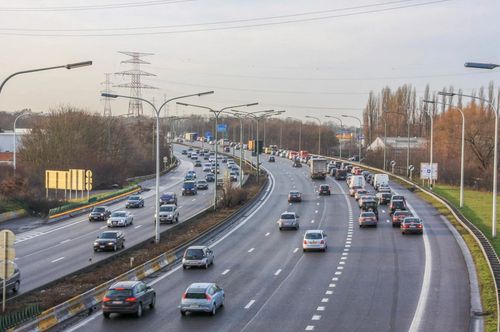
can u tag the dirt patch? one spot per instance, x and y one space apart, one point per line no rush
80 282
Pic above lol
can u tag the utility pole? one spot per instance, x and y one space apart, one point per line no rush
107 89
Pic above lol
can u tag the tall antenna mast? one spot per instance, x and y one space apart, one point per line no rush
107 89
135 85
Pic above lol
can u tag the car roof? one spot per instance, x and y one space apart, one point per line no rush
120 211
197 247
314 231
168 193
106 232
287 212
200 285
125 284
169 205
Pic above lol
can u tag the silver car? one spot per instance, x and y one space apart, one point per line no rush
120 218
314 240
288 220
13 282
168 213
199 256
202 297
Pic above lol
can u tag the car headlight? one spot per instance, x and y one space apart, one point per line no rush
170 215
102 214
96 243
111 243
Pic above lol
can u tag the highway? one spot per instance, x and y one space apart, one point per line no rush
370 279
53 251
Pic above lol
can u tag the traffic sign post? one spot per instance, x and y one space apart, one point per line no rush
393 163
411 168
7 256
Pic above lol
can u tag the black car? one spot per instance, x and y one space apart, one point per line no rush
109 240
341 174
271 159
384 198
333 171
184 152
396 205
189 188
210 177
128 297
324 189
134 201
168 198
197 163
99 213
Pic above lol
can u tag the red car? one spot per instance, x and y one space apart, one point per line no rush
399 216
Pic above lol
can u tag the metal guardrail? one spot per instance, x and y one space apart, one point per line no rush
483 242
89 300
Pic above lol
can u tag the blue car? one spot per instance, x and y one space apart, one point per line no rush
189 188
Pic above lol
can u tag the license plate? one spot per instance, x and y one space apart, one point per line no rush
314 242
101 246
117 302
194 306
413 226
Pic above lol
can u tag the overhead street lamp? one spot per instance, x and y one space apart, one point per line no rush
462 154
431 180
216 114
68 66
341 129
360 132
157 113
319 131
23 113
495 156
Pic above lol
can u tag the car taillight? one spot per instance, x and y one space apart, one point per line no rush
208 297
131 299
305 241
420 225
183 295
322 242
106 299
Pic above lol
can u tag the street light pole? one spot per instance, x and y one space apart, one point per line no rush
216 115
157 113
495 157
360 126
319 131
341 129
24 113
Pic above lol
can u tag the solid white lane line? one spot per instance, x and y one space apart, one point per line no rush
295 250
277 272
65 241
251 249
225 272
249 304
267 234
138 226
316 317
57 259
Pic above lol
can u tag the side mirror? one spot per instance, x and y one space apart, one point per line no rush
297 216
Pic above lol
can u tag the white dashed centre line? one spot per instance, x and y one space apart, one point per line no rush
316 211
312 221
251 249
65 241
57 259
267 234
103 227
328 292
324 300
331 285
277 272
295 250
249 304
316 317
335 279
225 272
310 328
194 199
320 308
317 203
138 226
338 273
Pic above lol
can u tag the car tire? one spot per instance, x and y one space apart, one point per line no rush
184 267
153 302
139 310
177 219
115 248
206 266
17 284
214 310
281 228
402 233
106 314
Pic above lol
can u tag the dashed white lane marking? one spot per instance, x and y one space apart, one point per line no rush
335 279
249 304
324 300
383 211
310 328
338 273
57 259
194 199
138 226
328 292
331 285
317 203
267 234
225 272
316 317
316 211
65 241
343 258
388 221
320 308
277 272
103 227
346 249
295 250
345 253
290 204
251 249
347 245
312 221
342 263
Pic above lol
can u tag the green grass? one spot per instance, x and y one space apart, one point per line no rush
486 283
10 205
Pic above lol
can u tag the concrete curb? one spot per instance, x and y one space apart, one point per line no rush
6 216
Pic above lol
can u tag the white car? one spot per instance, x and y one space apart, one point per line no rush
314 240
120 219
168 213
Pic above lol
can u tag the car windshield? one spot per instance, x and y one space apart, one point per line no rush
119 293
195 295
313 236
294 193
166 196
118 214
134 198
202 182
167 208
194 254
99 209
287 216
412 221
107 236
324 187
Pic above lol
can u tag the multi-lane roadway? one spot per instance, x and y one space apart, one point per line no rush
370 279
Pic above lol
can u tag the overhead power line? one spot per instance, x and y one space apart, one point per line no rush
8 31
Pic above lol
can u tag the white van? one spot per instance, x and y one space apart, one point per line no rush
357 181
380 179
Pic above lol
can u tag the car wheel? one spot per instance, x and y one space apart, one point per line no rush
184 267
402 233
115 247
303 250
183 313
213 310
139 310
206 265
177 219
222 303
281 228
153 302
123 245
106 314
17 284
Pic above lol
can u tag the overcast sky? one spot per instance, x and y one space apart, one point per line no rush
323 57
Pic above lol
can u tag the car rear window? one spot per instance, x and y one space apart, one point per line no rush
287 216
195 295
99 209
367 214
313 236
412 221
119 293
194 254
134 198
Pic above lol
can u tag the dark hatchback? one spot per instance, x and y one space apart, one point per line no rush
324 189
134 201
341 174
109 240
210 177
168 198
412 225
99 213
128 297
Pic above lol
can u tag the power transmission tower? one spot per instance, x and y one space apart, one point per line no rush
135 85
107 89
